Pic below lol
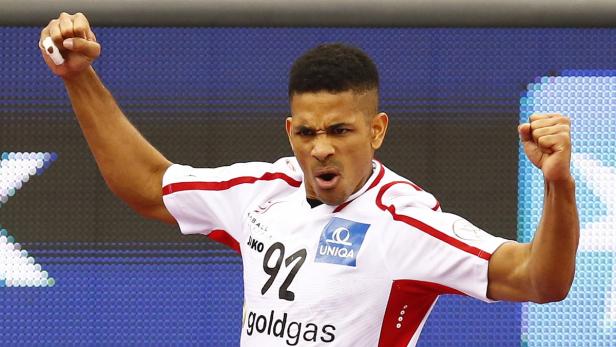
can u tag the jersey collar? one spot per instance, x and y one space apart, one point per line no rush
378 170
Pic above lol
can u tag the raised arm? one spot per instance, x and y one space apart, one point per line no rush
132 167
542 270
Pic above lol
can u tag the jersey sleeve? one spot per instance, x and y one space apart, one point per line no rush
438 248
206 199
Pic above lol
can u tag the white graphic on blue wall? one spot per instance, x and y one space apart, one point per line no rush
17 267
588 316
599 233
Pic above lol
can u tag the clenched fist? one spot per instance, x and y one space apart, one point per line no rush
75 40
547 144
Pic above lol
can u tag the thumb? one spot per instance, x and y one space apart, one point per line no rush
90 49
524 132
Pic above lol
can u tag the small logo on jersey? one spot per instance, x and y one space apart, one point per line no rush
340 242
262 208
467 231
255 244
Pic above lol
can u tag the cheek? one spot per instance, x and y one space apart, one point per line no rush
359 147
295 146
357 156
302 155
300 149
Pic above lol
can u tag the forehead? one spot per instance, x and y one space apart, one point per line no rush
326 106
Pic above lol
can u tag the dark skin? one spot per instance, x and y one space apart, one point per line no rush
334 137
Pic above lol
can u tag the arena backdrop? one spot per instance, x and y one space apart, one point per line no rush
79 267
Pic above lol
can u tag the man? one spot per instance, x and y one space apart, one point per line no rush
337 249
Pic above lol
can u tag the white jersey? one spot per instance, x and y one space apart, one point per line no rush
365 273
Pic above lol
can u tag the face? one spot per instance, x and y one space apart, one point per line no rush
334 137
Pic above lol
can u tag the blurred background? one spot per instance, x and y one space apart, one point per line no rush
207 85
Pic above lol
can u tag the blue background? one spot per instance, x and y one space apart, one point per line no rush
586 317
118 293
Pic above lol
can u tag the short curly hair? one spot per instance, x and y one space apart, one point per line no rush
334 68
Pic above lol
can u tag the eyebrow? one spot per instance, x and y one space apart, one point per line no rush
335 125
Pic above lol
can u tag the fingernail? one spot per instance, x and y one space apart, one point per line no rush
68 43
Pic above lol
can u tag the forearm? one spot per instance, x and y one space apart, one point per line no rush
131 167
553 249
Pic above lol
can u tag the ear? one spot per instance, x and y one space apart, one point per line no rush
288 127
378 128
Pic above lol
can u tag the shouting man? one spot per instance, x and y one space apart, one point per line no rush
337 249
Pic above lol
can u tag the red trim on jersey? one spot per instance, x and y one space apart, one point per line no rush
340 207
437 206
418 297
225 238
425 227
417 188
378 177
268 176
372 185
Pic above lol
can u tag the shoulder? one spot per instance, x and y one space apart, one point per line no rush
397 192
284 170
412 208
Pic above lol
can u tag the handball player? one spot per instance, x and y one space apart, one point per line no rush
337 249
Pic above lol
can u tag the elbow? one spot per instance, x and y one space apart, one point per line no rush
551 296
552 286
552 292
157 213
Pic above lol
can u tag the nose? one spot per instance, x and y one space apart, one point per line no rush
322 148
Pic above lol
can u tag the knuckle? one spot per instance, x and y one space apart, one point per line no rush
546 141
66 31
534 132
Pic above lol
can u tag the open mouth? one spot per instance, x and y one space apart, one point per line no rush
327 179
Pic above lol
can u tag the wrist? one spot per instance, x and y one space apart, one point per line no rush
563 180
562 185
80 77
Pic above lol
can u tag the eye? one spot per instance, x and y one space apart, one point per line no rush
305 132
340 130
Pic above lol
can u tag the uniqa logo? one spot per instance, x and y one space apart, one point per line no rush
340 242
341 252
340 236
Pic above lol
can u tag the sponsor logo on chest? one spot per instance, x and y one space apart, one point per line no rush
340 242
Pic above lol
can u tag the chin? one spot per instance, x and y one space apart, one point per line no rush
332 199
